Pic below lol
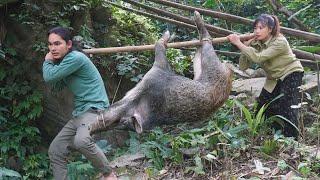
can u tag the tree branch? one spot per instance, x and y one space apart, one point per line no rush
282 9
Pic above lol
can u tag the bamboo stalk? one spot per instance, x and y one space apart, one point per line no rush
178 17
299 53
306 55
109 50
313 37
168 20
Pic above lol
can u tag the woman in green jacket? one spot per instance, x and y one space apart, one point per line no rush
271 51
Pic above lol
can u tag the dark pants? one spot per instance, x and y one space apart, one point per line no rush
282 106
75 135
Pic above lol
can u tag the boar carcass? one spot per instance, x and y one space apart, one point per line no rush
163 97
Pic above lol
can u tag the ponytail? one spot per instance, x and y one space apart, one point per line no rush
276 27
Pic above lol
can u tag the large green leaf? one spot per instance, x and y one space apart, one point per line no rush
9 174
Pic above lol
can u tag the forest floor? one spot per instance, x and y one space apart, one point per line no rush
283 158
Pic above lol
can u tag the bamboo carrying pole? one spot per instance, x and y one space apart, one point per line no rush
109 50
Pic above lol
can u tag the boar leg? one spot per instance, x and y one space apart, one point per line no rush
140 117
206 63
160 52
108 117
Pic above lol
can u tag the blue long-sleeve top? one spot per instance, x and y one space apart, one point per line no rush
81 77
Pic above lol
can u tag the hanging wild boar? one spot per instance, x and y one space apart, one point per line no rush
163 97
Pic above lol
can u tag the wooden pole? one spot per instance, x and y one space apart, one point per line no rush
306 55
178 17
299 53
313 37
151 47
168 20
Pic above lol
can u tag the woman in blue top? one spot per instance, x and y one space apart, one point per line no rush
66 67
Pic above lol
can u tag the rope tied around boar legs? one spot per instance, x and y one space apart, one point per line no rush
100 117
206 39
163 42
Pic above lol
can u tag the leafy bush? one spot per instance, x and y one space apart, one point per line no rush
36 166
21 105
132 29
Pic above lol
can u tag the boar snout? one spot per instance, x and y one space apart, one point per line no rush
134 123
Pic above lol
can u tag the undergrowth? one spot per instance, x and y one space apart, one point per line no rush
225 139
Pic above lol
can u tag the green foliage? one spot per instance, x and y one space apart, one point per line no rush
304 169
160 147
132 30
21 105
179 62
269 146
80 170
85 33
18 134
156 147
2 54
40 47
282 165
310 10
315 166
198 169
36 166
134 143
128 67
7 174
255 121
211 4
311 49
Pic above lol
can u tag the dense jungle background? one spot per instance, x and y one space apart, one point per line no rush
232 144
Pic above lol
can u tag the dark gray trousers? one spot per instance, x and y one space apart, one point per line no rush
75 135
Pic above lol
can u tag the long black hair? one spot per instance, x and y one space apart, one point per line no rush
270 21
65 34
